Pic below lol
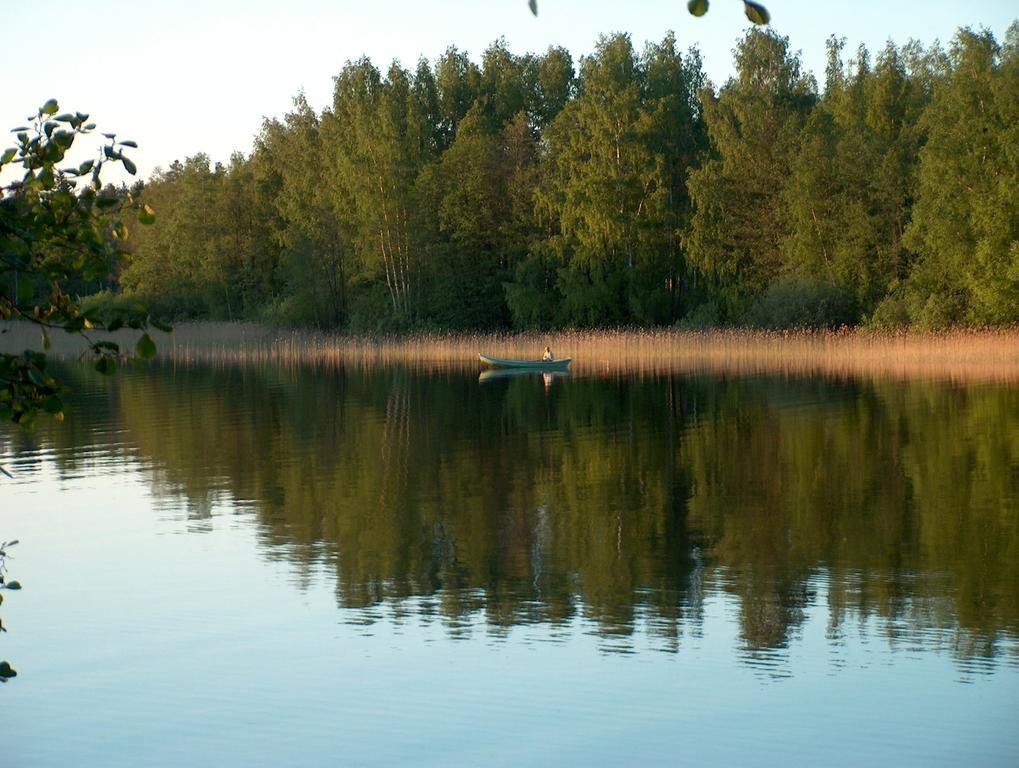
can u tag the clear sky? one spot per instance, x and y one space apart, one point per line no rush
199 75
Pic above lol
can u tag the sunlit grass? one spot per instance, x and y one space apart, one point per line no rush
963 355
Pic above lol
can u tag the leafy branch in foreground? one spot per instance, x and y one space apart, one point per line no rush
60 228
756 12
6 671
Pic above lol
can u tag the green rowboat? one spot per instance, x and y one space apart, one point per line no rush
535 365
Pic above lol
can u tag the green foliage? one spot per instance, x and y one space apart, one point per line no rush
797 302
851 188
145 347
741 215
525 191
890 314
703 317
593 295
60 229
477 198
378 138
533 297
206 255
614 186
555 84
965 223
306 262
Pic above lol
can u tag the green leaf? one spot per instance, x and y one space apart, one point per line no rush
129 166
533 5
146 347
756 12
6 670
63 139
160 325
14 585
50 107
128 143
697 7
106 366
52 404
86 166
147 215
8 155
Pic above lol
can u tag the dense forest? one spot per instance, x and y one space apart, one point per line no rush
526 192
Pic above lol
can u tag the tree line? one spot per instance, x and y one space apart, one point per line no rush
526 191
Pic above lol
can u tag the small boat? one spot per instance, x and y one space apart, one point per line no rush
535 365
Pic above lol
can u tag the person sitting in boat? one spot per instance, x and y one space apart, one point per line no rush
548 355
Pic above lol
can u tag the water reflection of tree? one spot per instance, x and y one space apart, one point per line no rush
613 501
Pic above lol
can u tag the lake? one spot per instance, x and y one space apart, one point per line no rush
258 565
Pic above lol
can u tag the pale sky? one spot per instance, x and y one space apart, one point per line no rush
200 75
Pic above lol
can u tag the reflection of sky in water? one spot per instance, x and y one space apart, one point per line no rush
185 605
141 643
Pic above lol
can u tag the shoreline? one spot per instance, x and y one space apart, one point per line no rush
963 355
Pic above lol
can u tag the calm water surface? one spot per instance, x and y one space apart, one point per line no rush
303 568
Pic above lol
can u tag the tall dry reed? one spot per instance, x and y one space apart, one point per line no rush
960 355
956 355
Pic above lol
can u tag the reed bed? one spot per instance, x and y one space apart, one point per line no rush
955 356
960 355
